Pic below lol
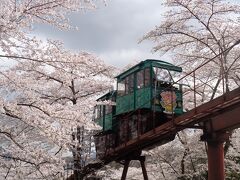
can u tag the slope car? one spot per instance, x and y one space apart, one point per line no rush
146 97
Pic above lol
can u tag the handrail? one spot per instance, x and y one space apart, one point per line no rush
194 74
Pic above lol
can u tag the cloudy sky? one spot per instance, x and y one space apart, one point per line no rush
111 32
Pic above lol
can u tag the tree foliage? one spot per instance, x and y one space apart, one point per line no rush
46 92
196 31
49 99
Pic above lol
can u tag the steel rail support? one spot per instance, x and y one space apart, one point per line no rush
215 160
215 153
126 165
125 169
142 161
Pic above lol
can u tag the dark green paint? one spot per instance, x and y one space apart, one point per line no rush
144 98
149 63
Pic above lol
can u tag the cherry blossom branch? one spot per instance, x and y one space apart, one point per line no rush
58 150
166 161
7 134
24 160
8 172
34 106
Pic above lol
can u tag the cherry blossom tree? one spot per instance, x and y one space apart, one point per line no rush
194 32
47 92
48 100
18 17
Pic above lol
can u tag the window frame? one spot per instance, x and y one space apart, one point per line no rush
147 78
140 84
121 92
131 83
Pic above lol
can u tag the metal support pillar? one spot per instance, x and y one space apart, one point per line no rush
125 169
142 161
215 161
126 165
215 154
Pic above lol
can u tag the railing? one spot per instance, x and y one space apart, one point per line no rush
191 90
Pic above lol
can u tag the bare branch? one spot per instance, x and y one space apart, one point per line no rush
8 135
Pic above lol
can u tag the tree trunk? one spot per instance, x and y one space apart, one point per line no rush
183 161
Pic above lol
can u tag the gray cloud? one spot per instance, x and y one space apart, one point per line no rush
111 31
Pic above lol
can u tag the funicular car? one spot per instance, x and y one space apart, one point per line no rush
146 97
